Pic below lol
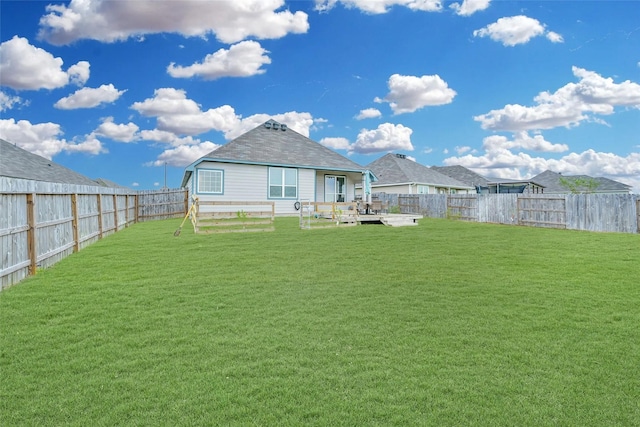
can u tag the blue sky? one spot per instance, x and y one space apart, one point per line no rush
116 89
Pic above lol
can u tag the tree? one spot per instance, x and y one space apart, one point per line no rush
579 185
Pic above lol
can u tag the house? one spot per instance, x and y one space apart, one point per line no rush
399 175
556 183
462 174
485 185
272 162
18 163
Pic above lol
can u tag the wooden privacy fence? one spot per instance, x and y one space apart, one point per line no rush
42 223
590 212
228 217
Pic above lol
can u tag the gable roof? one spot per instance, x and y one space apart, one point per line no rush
397 169
551 182
462 174
18 163
275 144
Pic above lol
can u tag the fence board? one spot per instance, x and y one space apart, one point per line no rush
542 211
602 212
462 206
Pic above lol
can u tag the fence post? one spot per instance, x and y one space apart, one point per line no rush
136 215
31 233
126 210
115 212
99 196
74 222
186 201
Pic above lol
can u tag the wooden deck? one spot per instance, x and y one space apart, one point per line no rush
393 220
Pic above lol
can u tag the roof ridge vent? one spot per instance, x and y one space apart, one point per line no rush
401 156
272 124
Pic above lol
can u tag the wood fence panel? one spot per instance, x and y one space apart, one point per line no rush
433 205
602 212
161 204
462 206
54 228
409 203
107 212
14 251
498 208
88 223
542 211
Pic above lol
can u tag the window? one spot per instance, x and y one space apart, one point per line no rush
423 189
283 183
209 181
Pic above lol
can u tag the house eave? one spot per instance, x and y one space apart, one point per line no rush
191 168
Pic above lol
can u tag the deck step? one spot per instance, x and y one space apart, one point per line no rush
398 221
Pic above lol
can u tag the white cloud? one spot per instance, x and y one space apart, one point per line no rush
515 30
241 60
110 21
44 139
523 141
7 101
182 116
167 101
568 106
369 113
90 97
117 132
336 143
387 137
184 155
461 150
222 119
380 6
90 145
554 37
26 67
469 7
410 93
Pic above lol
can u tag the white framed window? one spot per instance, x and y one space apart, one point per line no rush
283 183
423 189
210 181
335 188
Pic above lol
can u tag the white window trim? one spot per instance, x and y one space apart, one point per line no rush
199 191
283 186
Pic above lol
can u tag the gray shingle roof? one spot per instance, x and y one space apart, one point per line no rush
18 163
274 146
551 182
394 169
462 174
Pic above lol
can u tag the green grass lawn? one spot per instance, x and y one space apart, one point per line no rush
447 323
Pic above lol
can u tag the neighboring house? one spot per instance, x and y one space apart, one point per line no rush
272 162
462 174
553 183
18 163
399 175
484 185
107 183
